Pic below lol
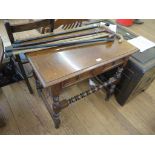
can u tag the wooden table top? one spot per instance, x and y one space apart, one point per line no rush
56 65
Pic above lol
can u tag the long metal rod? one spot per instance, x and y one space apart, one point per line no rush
86 27
20 50
58 43
56 39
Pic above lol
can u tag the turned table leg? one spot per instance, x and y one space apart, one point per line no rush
56 105
56 111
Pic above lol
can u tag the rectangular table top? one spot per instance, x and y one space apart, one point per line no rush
56 65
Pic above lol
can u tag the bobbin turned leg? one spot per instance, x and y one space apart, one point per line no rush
56 111
56 105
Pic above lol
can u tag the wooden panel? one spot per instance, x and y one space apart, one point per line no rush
30 25
56 67
9 31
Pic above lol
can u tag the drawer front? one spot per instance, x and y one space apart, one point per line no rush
77 78
107 67
92 73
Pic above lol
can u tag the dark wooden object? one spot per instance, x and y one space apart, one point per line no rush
2 119
1 50
57 68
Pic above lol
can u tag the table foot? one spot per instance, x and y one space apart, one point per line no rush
56 120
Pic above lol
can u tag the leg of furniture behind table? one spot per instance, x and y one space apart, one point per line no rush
38 84
2 119
24 74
